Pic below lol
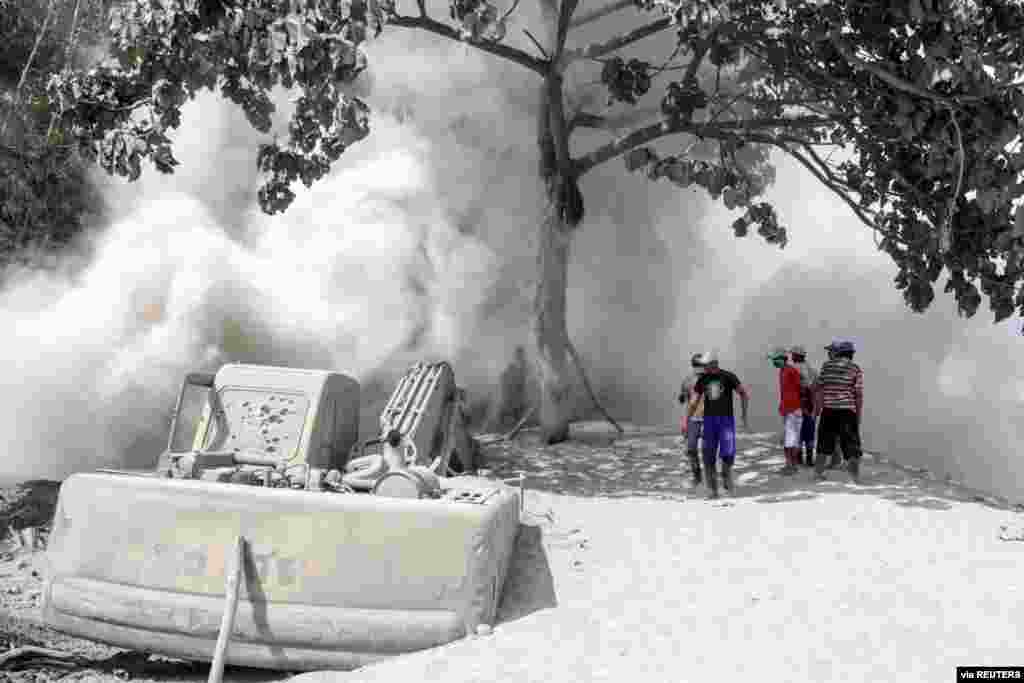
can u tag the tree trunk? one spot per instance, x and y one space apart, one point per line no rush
564 212
550 332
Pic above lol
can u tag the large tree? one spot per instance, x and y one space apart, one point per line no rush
911 111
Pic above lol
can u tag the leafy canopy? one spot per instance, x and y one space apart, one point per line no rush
911 111
45 192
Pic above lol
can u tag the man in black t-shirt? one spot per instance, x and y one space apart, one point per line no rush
716 386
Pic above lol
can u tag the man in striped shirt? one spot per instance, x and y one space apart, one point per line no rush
839 400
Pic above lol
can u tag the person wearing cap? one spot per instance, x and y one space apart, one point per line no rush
696 422
775 357
789 409
808 376
716 387
839 400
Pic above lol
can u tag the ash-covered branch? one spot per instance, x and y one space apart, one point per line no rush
892 79
512 54
584 119
568 7
536 44
718 130
596 50
16 97
826 178
946 225
602 12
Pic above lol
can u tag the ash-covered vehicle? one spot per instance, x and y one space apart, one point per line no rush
354 551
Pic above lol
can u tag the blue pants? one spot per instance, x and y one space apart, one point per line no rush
719 438
807 433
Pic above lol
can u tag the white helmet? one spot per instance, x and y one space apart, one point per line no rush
709 358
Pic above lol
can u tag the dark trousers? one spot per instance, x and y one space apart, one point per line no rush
842 425
807 431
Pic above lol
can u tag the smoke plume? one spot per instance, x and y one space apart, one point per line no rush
421 246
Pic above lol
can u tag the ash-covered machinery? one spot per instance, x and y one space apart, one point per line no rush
349 559
423 426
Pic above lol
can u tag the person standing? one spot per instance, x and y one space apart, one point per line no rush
777 358
716 387
808 376
696 421
836 460
512 382
790 410
839 400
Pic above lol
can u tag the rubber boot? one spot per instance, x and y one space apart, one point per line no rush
819 466
809 459
853 466
711 479
695 468
727 477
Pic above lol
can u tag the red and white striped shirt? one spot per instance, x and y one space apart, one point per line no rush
841 382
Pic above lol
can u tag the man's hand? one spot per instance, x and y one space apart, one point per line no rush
684 425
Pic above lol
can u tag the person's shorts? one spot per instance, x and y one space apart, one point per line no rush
792 424
693 434
719 437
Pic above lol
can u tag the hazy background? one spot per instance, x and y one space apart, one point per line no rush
421 245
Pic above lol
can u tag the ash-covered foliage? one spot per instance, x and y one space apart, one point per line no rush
911 111
922 101
45 192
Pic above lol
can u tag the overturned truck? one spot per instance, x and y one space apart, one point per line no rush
354 551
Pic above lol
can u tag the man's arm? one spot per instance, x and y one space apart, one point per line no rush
817 395
744 393
858 393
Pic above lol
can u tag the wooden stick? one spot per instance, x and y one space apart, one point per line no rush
227 624
519 426
590 390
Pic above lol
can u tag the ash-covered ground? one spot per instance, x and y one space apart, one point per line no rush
597 464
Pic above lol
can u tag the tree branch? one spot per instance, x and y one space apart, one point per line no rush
590 390
602 12
559 125
537 44
945 226
825 180
511 9
16 97
568 7
584 119
587 120
708 130
595 50
499 50
891 79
